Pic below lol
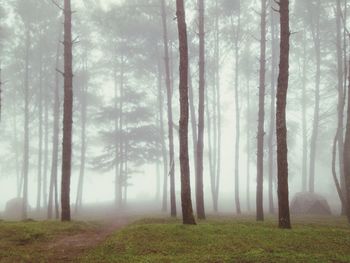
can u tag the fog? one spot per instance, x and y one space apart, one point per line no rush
120 148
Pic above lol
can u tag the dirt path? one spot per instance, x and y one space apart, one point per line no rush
68 248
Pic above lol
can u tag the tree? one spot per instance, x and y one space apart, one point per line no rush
261 117
186 202
67 113
281 127
200 144
170 112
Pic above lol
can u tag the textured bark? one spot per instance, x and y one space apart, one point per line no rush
316 120
67 114
186 202
26 129
170 111
55 145
261 117
281 127
238 128
200 143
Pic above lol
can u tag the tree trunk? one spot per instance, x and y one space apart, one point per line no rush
186 202
79 200
347 154
281 127
341 97
248 144
271 141
170 111
314 136
200 144
40 124
238 128
67 114
55 144
46 146
304 123
162 140
26 129
193 121
261 133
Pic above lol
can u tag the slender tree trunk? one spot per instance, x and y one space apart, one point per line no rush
55 144
186 202
261 133
46 146
170 111
40 142
67 113
341 97
314 136
122 138
238 128
347 154
26 129
248 143
281 127
162 139
79 200
193 121
271 141
200 143
304 124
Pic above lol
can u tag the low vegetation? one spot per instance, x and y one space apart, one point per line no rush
29 241
226 240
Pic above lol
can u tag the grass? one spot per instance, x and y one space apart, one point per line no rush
26 241
226 240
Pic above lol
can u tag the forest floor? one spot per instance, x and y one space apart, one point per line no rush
218 239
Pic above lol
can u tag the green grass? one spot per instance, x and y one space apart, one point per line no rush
227 240
27 241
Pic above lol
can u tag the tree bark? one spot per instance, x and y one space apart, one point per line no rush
281 127
40 128
261 119
67 114
186 202
200 143
170 111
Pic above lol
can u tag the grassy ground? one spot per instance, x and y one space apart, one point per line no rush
29 241
226 240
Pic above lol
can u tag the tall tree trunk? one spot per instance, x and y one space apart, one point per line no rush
346 153
218 104
170 111
162 139
40 141
26 129
341 96
186 202
121 178
261 133
281 127
67 113
271 137
248 144
84 87
46 146
314 136
304 123
238 128
193 120
55 144
200 143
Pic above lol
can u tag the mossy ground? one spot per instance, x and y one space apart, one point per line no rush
227 240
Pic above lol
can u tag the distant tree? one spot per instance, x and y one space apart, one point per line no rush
261 117
186 202
170 112
200 144
67 113
281 129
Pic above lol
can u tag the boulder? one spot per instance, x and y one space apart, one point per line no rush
13 209
306 203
